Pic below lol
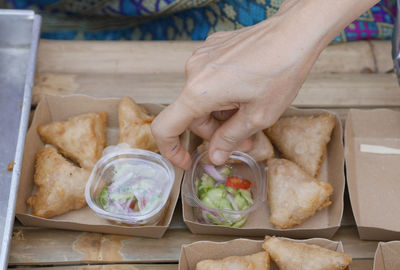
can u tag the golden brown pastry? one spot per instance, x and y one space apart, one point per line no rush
293 195
303 139
290 255
60 184
262 147
82 138
134 125
258 261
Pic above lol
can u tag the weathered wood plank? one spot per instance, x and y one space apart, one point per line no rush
170 56
108 267
382 53
319 90
349 90
34 246
358 249
356 265
356 57
158 88
367 264
113 57
48 246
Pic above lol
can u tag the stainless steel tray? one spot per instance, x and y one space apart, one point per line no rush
19 37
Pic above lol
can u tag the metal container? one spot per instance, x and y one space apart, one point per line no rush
396 43
19 37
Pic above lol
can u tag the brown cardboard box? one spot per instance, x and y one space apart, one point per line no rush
193 253
374 179
323 224
57 108
387 256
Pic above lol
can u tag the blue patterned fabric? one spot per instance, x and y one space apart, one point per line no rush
178 19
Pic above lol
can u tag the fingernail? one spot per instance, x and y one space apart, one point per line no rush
219 157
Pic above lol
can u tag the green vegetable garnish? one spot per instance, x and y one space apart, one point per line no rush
217 195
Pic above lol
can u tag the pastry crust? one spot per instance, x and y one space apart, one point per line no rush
258 261
60 184
290 255
303 139
82 138
293 195
135 125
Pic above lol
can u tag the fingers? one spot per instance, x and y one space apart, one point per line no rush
224 115
230 135
246 146
166 129
204 127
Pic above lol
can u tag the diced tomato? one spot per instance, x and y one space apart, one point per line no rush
237 182
132 205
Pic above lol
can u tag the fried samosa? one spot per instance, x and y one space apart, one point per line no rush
258 261
60 184
134 125
262 147
290 255
82 138
303 139
294 195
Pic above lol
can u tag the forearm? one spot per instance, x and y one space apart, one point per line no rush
332 16
318 22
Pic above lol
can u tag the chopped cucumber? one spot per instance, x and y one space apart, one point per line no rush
232 191
103 196
207 181
202 193
208 202
239 223
225 204
240 202
216 194
225 171
247 195
213 218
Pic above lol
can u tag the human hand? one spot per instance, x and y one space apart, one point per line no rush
251 74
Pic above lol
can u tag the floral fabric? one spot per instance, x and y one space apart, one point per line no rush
178 19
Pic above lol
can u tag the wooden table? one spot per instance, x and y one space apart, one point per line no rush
355 75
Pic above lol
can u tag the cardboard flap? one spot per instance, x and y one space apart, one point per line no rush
323 224
374 179
59 108
193 253
387 256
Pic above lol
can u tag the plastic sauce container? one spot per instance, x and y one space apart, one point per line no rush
233 192
130 186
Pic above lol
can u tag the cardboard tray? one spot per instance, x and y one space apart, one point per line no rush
57 108
193 253
374 179
323 224
387 256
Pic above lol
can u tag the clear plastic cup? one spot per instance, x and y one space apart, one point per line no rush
241 165
130 186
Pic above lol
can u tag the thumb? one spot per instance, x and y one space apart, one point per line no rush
231 134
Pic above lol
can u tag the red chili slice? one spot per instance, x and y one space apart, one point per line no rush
132 205
237 182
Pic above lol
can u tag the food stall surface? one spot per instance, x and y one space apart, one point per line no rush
354 75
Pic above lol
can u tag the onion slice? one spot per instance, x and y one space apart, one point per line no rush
210 169
232 201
